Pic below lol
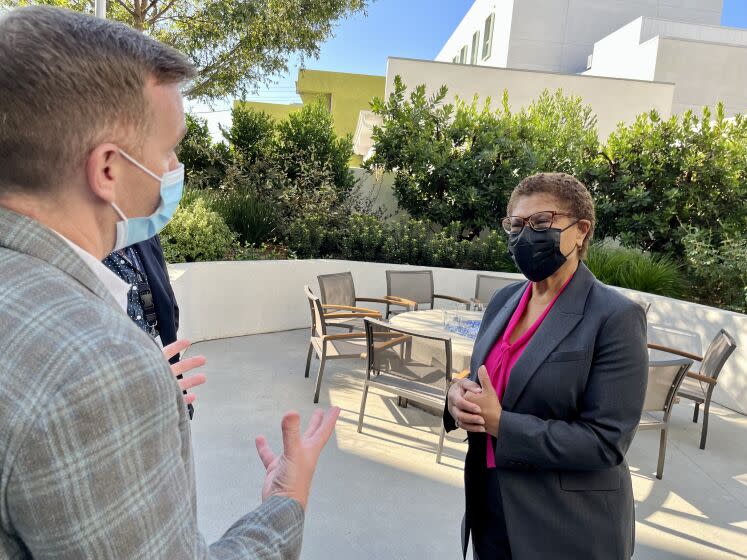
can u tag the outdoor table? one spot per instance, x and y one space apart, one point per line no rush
431 322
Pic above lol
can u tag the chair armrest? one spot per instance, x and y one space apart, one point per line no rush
402 302
464 374
703 378
343 336
453 298
372 300
326 306
669 350
373 314
377 334
394 342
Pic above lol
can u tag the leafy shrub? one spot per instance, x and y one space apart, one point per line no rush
197 233
306 237
300 165
367 238
251 135
636 270
461 162
656 176
362 239
718 273
204 162
309 134
407 243
252 218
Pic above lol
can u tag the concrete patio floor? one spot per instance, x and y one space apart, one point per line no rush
381 495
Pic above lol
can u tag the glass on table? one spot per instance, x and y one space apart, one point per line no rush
451 318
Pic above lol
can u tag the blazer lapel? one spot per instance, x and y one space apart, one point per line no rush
557 325
24 235
493 331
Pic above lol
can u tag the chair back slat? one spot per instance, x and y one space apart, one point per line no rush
415 285
318 325
486 286
664 379
337 289
721 347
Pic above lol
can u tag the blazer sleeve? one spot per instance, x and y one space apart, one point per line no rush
106 471
609 411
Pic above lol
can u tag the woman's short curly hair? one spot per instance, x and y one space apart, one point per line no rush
570 193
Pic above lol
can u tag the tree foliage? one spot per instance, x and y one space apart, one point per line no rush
460 162
235 44
659 178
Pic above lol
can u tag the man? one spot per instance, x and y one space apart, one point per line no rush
95 449
151 303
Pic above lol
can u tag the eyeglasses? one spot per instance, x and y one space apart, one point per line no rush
539 221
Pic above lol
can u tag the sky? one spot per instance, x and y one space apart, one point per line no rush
404 28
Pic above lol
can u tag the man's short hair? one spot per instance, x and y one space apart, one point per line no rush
69 81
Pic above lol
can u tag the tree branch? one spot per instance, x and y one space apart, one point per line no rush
160 12
126 7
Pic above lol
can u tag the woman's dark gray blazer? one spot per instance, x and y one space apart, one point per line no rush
571 409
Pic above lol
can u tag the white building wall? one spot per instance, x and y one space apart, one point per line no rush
474 21
707 64
613 100
653 27
379 189
704 74
622 54
558 35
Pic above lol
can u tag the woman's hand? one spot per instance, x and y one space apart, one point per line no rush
185 366
465 413
487 401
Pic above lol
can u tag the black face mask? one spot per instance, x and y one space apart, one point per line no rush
537 253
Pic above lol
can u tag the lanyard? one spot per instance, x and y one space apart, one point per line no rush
145 295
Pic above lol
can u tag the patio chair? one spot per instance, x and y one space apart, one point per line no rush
350 345
337 292
392 368
485 288
664 378
699 386
415 286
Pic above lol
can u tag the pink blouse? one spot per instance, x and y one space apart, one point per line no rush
505 354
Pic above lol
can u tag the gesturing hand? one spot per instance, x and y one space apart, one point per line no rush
487 400
184 366
290 474
465 413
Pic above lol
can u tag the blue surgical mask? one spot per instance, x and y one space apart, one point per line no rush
135 230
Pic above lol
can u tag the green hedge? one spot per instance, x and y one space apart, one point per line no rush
197 233
634 269
367 238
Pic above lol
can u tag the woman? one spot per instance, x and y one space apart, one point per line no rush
556 390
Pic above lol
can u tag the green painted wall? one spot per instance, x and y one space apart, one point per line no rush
276 110
345 95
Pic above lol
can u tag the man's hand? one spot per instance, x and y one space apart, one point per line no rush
487 400
290 474
184 366
466 414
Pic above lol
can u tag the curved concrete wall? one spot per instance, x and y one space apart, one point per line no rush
226 299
